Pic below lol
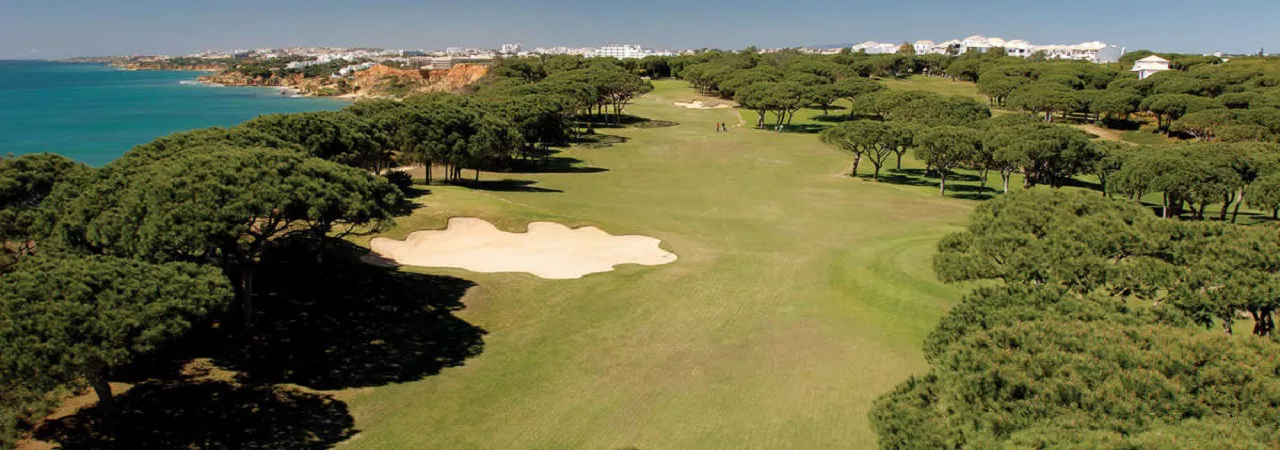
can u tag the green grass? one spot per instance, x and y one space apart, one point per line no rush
940 85
1144 136
801 294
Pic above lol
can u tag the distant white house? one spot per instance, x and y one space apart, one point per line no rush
1095 51
1149 66
924 47
876 48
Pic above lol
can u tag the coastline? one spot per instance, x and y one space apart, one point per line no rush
283 91
376 82
289 91
117 110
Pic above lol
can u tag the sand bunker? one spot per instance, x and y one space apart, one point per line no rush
548 249
698 104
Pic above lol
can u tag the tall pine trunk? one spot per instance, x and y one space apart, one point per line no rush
1239 201
246 293
106 400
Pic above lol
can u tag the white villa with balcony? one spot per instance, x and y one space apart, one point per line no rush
1149 66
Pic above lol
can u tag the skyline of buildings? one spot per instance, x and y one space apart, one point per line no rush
1093 51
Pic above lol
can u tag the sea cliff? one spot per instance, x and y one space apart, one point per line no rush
379 81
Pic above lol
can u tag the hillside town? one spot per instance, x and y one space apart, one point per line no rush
442 59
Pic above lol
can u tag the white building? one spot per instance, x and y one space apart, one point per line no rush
924 47
349 70
1149 66
618 51
510 49
440 63
876 48
298 65
1095 51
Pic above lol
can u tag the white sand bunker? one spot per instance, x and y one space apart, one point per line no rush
548 249
698 104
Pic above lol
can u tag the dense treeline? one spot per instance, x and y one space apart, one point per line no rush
1204 99
149 248
1109 328
956 132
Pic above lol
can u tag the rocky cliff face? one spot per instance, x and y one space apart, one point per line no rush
377 81
383 81
239 79
458 77
159 65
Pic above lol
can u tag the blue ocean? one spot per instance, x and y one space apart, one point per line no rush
94 113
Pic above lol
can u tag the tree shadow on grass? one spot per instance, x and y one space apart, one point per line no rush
931 177
407 206
599 140
916 177
834 118
327 320
1083 184
416 191
507 185
806 128
553 164
1121 124
623 121
207 415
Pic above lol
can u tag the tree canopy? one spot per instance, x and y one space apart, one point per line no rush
223 206
104 312
1104 332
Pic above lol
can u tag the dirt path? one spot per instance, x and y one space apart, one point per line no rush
1102 133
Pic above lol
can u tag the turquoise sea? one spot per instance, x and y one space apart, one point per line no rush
94 113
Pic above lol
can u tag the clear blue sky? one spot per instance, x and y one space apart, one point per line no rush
46 29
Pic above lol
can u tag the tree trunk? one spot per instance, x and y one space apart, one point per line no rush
876 175
106 401
900 161
1164 205
1004 177
942 182
1239 201
854 171
1263 323
246 290
428 177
